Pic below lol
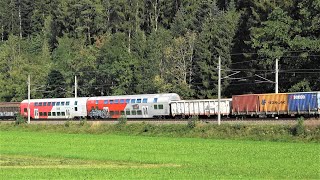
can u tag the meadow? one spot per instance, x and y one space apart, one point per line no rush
58 155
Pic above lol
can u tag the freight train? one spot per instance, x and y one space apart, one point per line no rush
168 105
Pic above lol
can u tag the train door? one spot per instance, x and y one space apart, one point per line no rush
68 113
36 114
145 111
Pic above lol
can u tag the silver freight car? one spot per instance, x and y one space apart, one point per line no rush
203 107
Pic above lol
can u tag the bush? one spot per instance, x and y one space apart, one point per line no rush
83 122
20 120
192 122
67 123
122 120
299 129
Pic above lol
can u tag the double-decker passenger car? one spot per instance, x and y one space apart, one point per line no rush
131 106
55 108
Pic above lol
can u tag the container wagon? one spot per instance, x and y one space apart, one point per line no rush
245 104
271 104
304 103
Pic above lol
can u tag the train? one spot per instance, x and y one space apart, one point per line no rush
166 105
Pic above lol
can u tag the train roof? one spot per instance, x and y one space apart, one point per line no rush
163 96
168 96
54 99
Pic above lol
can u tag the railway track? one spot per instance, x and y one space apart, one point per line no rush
308 121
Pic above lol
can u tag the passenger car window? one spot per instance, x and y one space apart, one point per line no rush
145 100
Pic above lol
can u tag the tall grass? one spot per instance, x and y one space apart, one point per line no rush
194 128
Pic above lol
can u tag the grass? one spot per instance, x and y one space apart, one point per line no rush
55 155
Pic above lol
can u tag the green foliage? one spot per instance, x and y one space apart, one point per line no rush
83 122
129 47
122 120
20 120
192 122
299 129
67 123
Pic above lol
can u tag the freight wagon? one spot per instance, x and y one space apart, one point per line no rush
245 104
304 103
271 104
204 107
307 103
9 110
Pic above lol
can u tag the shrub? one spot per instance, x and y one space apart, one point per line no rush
83 122
299 129
20 120
67 123
122 120
192 122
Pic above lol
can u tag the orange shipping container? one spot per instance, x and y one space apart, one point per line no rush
273 102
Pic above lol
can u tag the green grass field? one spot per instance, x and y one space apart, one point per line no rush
41 155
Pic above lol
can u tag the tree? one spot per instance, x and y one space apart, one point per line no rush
115 66
19 59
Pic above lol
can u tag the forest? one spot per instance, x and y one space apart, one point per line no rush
152 46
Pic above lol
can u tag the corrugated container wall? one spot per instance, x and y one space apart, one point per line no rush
273 102
200 107
302 102
318 101
243 104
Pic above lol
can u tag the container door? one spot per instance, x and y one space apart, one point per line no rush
36 114
145 111
318 97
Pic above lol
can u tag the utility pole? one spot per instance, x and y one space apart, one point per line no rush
29 99
75 87
219 90
277 78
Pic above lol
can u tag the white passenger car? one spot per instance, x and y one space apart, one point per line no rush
55 108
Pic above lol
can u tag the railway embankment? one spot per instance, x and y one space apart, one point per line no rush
299 131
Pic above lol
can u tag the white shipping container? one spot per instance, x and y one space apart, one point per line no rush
202 107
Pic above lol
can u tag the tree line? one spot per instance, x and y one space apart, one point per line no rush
153 46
